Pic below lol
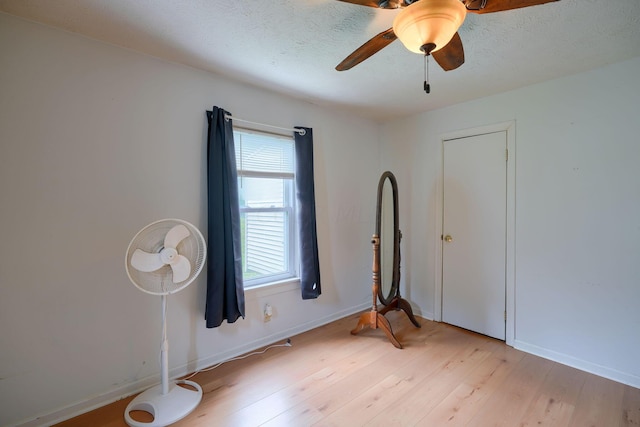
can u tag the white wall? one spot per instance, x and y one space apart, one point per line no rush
96 142
577 238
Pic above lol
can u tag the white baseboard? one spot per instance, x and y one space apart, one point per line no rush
427 315
583 365
138 386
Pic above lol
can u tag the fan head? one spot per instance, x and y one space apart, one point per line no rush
165 256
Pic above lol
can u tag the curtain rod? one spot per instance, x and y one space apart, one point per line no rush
229 116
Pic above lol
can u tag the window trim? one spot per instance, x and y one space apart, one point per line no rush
291 277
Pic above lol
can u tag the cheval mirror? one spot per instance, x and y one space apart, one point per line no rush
386 263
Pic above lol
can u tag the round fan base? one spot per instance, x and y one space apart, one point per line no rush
168 408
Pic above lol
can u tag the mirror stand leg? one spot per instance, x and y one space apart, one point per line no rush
384 324
404 305
375 320
399 303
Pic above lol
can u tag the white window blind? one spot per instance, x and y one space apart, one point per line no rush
263 153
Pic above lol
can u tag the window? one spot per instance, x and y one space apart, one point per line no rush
266 190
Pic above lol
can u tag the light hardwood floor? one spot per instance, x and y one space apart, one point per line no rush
443 376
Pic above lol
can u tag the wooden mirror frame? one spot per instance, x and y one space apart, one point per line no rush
397 235
375 319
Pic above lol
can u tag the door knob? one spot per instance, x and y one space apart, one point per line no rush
448 238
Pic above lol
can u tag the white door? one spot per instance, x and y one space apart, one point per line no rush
474 233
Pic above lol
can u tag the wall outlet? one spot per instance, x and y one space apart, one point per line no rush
268 312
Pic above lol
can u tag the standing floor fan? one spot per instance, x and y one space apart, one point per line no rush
162 259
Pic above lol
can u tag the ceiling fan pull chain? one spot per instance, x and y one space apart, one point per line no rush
427 86
427 48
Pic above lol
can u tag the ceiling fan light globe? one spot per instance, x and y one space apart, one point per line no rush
429 21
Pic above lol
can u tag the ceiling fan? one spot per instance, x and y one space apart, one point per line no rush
429 27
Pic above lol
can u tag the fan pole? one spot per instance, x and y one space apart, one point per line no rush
164 351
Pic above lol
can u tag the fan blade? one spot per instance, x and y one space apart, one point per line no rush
175 236
451 56
181 268
366 50
382 4
475 6
146 262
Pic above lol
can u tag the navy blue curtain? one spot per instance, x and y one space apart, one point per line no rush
225 289
309 262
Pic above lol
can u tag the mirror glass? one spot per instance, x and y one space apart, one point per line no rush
386 238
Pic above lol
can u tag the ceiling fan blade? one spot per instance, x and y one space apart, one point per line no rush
146 262
382 4
475 6
451 56
366 50
181 268
175 236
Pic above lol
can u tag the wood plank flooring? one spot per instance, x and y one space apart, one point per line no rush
444 376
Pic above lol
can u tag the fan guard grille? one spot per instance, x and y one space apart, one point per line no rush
151 239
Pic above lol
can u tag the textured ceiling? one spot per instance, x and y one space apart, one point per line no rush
292 46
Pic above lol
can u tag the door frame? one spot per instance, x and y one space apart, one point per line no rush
510 279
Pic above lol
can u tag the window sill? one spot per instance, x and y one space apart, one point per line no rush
273 288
